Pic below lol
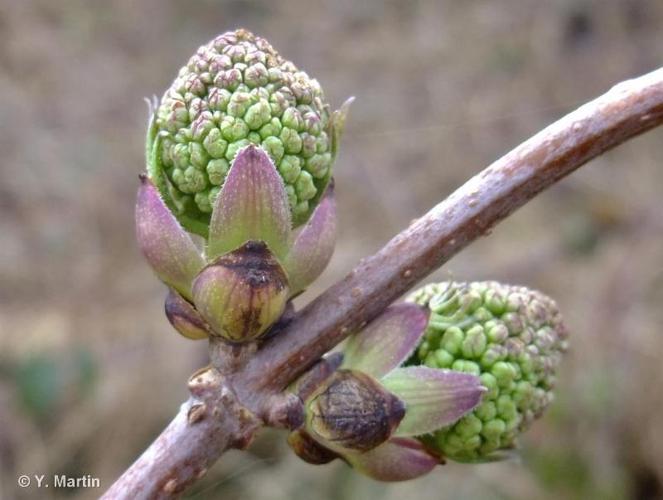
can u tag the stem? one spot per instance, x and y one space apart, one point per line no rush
208 424
627 110
184 451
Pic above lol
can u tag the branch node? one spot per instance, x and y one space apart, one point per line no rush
196 413
247 424
205 381
229 358
283 411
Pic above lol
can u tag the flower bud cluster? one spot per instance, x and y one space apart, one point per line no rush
239 151
512 338
235 91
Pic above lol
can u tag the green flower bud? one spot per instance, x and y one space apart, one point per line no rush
217 170
234 129
512 338
305 186
290 168
234 91
271 130
215 144
234 147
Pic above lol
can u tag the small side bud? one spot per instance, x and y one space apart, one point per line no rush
242 293
184 317
308 449
353 411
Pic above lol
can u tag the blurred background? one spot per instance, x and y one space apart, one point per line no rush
90 370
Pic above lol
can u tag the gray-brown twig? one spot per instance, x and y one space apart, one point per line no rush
226 410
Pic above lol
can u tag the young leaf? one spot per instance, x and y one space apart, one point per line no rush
433 398
387 341
166 246
252 205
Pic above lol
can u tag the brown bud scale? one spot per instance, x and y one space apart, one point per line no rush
354 411
242 293
308 449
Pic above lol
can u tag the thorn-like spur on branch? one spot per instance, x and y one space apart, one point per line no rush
225 411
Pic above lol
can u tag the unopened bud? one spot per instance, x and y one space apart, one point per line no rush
512 338
242 293
354 411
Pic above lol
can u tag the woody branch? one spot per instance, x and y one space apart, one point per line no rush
225 410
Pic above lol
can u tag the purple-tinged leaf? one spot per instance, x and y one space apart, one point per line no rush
167 247
313 246
433 398
242 293
387 341
252 205
399 459
184 317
